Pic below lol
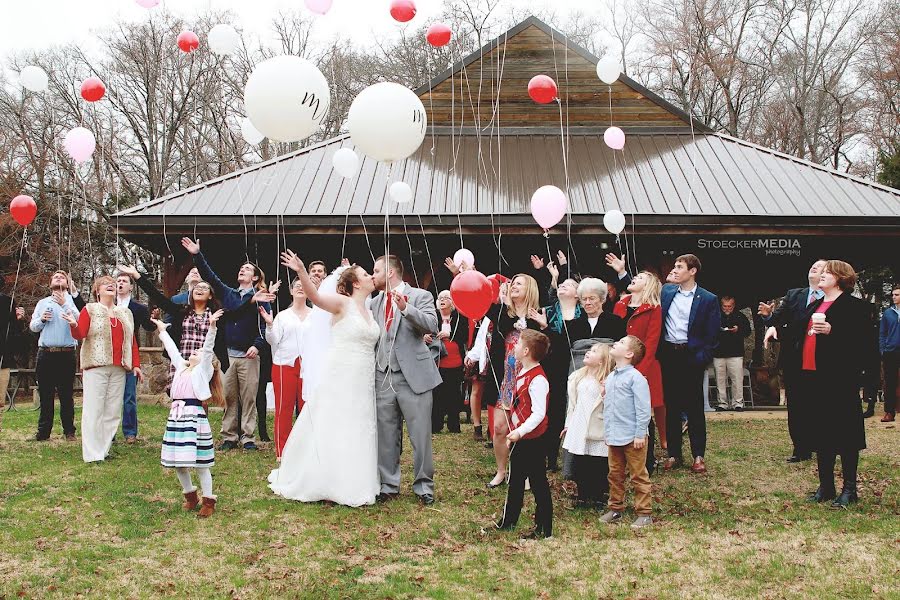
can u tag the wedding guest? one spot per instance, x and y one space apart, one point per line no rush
556 321
728 357
594 322
584 431
793 307
831 344
284 333
244 337
528 424
140 315
518 300
188 443
626 415
109 351
477 365
889 347
318 271
11 317
452 338
55 365
193 278
620 282
643 318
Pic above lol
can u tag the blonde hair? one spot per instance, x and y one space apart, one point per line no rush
216 388
606 366
532 295
98 283
652 289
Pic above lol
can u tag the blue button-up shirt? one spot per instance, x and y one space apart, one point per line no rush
679 316
626 406
814 291
55 333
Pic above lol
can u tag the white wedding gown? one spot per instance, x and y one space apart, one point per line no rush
332 452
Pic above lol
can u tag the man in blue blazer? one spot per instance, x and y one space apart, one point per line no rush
692 320
141 316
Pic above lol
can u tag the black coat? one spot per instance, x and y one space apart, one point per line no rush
608 326
836 414
792 307
459 332
10 329
503 324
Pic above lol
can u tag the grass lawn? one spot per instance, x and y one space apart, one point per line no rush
68 529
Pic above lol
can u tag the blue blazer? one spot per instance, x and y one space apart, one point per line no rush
703 325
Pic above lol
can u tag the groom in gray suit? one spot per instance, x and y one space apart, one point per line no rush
405 374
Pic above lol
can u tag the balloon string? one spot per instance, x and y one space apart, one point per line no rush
428 252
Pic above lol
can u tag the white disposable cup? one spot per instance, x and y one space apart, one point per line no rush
818 317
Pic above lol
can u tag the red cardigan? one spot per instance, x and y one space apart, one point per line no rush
646 325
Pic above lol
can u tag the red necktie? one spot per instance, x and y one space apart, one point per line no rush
389 312
812 298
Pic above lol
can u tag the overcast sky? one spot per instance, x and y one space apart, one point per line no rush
35 24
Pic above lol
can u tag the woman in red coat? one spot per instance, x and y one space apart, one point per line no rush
643 317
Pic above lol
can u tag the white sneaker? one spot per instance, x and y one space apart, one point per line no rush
642 521
611 517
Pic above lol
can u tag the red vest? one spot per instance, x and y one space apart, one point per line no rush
521 407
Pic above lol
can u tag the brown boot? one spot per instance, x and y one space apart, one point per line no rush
190 500
208 508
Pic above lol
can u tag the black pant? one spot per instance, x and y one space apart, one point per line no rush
592 477
799 403
891 362
55 374
849 463
527 462
683 385
447 400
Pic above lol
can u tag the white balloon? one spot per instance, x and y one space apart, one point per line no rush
345 162
223 39
401 193
614 221
464 256
251 134
286 98
34 79
608 70
387 121
79 144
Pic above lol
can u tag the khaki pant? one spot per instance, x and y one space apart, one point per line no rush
4 385
241 382
731 368
101 410
620 458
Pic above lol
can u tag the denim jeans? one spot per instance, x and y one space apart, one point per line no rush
129 407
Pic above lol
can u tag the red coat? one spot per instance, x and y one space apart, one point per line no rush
646 325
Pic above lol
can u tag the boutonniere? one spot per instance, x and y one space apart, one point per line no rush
521 324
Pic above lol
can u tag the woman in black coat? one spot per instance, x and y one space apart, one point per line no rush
830 356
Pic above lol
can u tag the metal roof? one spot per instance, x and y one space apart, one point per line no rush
660 178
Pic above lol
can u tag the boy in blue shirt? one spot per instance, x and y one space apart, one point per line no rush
626 415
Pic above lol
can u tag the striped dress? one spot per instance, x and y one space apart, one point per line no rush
188 440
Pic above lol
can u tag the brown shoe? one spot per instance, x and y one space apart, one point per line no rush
130 439
671 463
887 418
190 500
699 466
71 437
208 508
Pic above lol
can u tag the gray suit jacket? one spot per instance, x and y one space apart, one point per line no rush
416 363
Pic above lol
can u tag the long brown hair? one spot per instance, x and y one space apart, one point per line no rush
348 277
216 387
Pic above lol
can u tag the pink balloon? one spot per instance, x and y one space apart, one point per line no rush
548 206
147 3
79 144
614 138
320 7
464 256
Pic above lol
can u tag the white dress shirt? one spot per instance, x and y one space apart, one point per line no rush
285 335
679 316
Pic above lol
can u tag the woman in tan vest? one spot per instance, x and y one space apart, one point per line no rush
109 349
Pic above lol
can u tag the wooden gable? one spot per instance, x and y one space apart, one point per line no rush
509 62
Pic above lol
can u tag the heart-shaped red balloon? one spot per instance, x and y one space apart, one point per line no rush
403 11
542 89
188 41
23 210
472 294
92 89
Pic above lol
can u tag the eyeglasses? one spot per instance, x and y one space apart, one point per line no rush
590 298
202 287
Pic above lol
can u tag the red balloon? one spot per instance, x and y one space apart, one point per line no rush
92 89
496 280
188 41
471 293
403 10
542 89
23 210
439 35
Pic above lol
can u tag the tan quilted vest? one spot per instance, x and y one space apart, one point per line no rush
97 349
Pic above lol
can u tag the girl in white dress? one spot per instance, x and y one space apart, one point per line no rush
332 451
584 434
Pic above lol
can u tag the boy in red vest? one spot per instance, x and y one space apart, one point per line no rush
528 424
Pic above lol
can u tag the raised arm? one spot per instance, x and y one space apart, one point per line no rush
169 344
333 303
206 272
157 297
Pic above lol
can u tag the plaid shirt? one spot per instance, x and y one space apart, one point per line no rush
193 334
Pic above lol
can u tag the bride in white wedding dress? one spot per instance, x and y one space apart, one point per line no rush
332 452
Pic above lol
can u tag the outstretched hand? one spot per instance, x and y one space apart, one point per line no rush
617 263
266 315
214 318
537 262
290 260
451 266
129 270
192 246
263 296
